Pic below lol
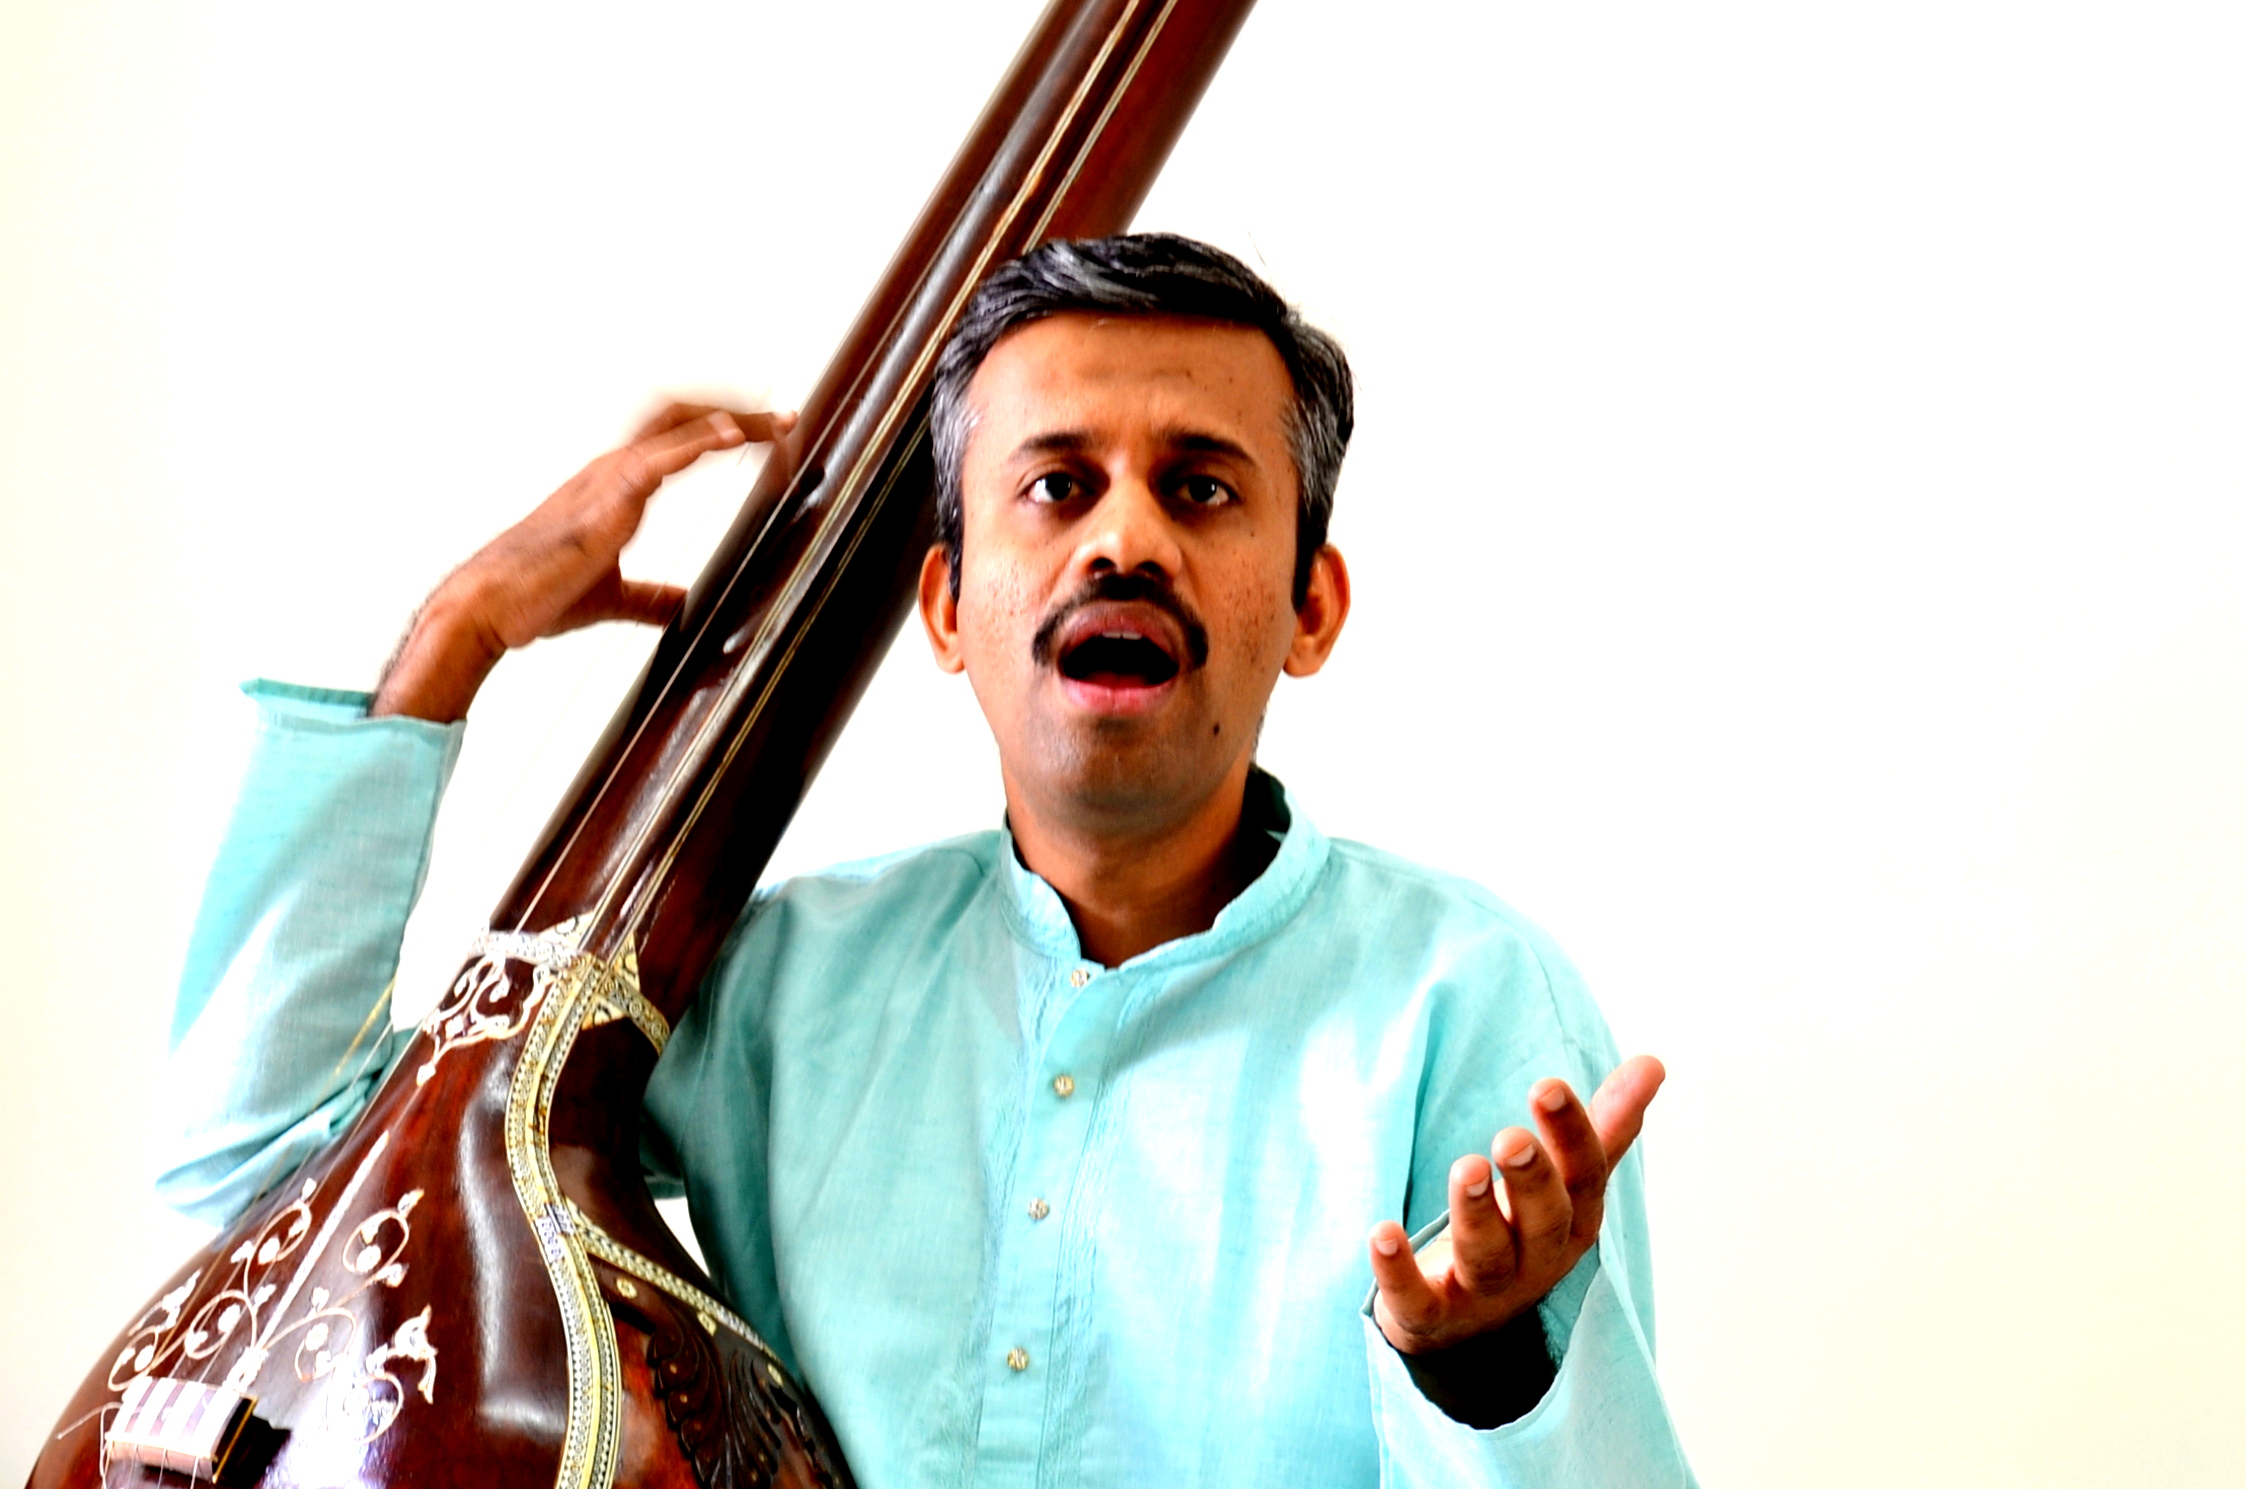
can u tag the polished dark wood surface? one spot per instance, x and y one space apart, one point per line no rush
458 1290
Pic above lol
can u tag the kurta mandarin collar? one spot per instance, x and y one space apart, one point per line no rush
1039 919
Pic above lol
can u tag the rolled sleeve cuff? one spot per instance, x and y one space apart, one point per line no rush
281 1026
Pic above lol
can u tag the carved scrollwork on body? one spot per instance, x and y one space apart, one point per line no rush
220 1317
150 1344
481 1005
370 1403
269 1302
734 1410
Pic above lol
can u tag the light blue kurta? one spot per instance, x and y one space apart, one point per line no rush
1016 1218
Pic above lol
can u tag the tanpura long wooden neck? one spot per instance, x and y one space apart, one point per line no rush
499 1163
661 840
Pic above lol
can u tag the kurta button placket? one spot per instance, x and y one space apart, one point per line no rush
1040 1270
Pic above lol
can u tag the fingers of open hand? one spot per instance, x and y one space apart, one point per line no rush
1518 1219
1494 1258
1410 1307
758 424
1543 1212
1577 1153
556 569
1484 1256
600 511
639 467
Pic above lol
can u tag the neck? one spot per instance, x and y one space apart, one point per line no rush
1131 887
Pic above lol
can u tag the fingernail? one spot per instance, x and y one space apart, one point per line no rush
1386 1245
784 422
1552 1097
1478 1187
1518 1156
722 422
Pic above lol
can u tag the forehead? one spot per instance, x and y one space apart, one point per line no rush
1109 374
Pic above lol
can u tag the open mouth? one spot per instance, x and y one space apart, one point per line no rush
1122 646
1118 659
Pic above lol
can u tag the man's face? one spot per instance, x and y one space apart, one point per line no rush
1128 504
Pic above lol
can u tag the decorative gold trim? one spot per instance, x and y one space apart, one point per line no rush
596 1381
606 1247
617 996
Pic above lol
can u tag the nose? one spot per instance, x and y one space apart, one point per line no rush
1129 530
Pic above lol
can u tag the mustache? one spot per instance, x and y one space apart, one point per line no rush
1120 588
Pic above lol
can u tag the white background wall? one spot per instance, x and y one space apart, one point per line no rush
1796 516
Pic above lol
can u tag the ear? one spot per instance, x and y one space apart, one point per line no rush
1318 620
939 611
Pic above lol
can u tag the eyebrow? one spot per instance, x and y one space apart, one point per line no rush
1076 441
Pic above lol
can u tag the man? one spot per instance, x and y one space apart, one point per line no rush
1049 1154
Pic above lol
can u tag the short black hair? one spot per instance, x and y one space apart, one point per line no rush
1151 274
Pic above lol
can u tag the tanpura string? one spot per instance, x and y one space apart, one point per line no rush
817 562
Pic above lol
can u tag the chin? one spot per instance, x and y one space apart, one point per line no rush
1117 770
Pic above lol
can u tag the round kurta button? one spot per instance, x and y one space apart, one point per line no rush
1038 1209
1079 977
1017 1359
1064 1085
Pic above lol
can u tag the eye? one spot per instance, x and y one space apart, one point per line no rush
1205 491
1055 486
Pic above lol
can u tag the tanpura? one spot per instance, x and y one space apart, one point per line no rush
472 1285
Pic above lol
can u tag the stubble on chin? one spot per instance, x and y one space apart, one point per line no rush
1123 774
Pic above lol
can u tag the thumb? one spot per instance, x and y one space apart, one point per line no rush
1618 1111
620 599
647 602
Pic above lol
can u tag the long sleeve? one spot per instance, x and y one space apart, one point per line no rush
1602 1420
282 1026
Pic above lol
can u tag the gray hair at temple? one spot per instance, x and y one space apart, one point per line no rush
1150 274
